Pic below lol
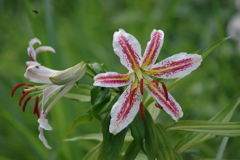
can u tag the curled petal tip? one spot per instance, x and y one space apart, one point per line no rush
42 138
43 122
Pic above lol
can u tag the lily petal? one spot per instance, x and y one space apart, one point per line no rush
60 95
125 109
170 105
112 79
31 52
49 92
37 73
42 138
44 49
128 49
176 66
153 48
43 122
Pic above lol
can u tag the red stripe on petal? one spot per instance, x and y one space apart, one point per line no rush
16 87
22 97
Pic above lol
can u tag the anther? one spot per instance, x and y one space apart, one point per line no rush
16 87
25 103
35 111
158 106
155 81
21 98
141 86
165 90
141 111
131 96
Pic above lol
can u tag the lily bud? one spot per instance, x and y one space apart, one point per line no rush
70 75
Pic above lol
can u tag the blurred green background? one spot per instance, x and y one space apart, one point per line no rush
82 30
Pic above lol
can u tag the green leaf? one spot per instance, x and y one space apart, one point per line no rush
95 67
100 96
213 46
112 144
150 136
164 146
93 153
85 118
132 151
81 93
138 131
194 139
97 137
229 129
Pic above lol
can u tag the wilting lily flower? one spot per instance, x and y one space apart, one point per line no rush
54 82
140 69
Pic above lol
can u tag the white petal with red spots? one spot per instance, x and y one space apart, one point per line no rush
125 109
176 66
112 79
128 49
153 48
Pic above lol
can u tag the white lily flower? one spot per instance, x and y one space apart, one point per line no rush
54 82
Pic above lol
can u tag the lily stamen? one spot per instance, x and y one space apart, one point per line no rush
16 87
142 111
25 103
36 111
158 106
141 86
22 97
165 90
155 82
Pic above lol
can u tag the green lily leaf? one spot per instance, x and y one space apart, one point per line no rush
96 67
164 147
100 96
138 131
93 153
150 136
97 137
85 118
194 139
229 129
81 93
112 144
132 151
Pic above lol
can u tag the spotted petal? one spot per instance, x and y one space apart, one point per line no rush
37 73
128 49
125 109
176 66
112 79
169 104
153 48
